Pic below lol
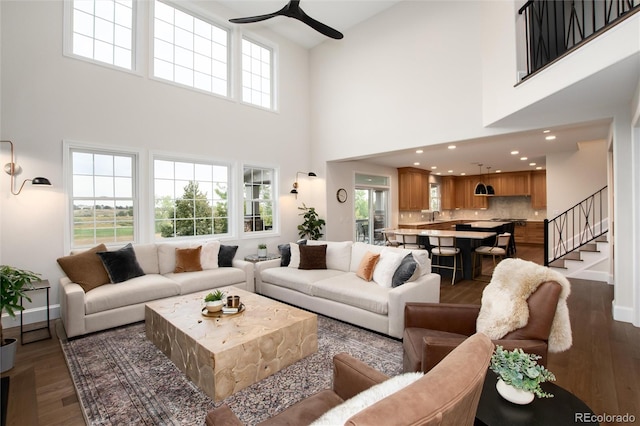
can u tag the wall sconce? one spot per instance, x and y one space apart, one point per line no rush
12 169
295 184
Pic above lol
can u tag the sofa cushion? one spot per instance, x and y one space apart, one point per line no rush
338 254
85 268
367 265
167 254
226 255
386 267
188 260
209 254
136 290
294 255
285 252
207 279
121 264
313 257
298 279
358 250
347 288
341 413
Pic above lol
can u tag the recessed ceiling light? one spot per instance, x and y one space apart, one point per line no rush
463 174
416 164
434 167
515 152
451 147
524 158
438 173
498 171
539 168
449 171
546 131
532 164
419 151
550 137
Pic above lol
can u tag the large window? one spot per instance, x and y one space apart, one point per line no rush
258 199
102 198
102 30
257 72
191 198
189 51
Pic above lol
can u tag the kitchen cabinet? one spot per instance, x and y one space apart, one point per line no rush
539 189
448 192
413 189
516 183
465 186
534 233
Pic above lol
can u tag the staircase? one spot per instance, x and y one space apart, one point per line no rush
576 242
589 262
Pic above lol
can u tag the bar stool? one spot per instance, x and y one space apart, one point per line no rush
410 241
498 249
445 247
390 238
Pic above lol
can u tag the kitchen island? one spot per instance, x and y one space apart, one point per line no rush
466 241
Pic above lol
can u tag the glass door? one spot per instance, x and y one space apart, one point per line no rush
371 208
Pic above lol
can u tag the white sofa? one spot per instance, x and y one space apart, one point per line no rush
112 305
339 293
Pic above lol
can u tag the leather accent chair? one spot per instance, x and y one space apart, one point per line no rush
432 330
448 394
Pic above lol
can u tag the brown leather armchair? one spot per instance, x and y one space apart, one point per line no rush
448 394
432 330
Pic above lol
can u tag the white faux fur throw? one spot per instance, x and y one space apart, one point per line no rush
504 301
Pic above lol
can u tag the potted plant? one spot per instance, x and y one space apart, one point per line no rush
312 224
14 284
213 301
519 375
262 250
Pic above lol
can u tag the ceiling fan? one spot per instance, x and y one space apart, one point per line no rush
293 10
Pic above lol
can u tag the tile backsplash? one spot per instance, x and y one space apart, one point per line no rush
498 207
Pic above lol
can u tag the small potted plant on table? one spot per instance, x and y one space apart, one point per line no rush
519 375
213 301
262 250
14 284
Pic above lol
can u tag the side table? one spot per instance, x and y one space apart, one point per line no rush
563 409
254 258
40 285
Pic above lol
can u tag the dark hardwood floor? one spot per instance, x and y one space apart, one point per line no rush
602 367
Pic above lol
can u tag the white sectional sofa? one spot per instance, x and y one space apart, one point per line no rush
111 305
338 291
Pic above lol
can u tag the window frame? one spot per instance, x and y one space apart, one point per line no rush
181 158
275 200
273 48
137 22
207 17
74 146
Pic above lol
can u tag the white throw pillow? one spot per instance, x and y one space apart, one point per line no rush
389 261
424 263
340 414
209 254
338 253
295 255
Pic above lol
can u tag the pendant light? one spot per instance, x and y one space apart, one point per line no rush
481 189
490 191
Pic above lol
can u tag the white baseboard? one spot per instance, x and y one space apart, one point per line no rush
31 316
622 313
593 276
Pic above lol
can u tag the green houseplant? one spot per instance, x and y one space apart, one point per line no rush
521 371
312 224
14 284
262 250
213 301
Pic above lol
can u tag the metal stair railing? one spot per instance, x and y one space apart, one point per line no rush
576 227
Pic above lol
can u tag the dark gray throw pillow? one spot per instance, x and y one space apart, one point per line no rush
226 255
121 264
405 271
285 252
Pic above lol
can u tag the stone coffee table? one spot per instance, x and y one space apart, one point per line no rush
222 355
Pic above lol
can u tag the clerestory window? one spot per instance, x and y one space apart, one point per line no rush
257 74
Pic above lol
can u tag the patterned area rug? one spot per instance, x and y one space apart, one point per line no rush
122 378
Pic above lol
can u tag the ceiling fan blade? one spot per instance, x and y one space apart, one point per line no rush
319 26
251 19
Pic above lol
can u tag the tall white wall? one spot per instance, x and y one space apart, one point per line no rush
48 98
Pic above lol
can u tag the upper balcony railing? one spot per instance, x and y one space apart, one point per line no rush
554 28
